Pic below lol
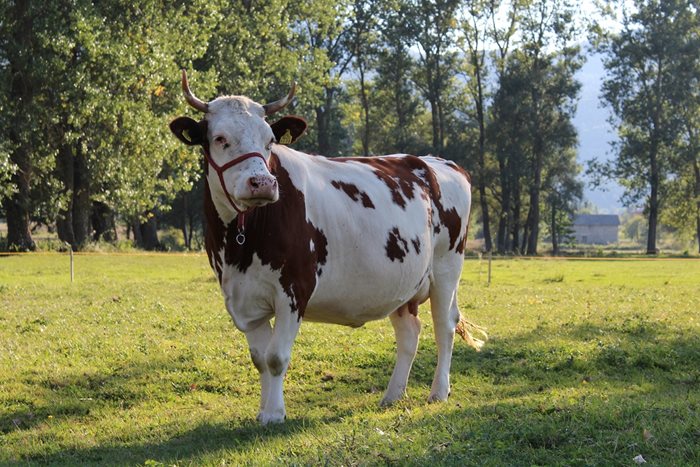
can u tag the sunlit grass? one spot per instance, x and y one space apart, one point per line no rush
590 362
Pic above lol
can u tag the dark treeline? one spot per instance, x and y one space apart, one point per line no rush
87 89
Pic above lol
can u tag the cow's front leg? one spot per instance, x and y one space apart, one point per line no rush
258 341
277 356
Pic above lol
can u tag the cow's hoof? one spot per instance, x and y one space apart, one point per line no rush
266 418
390 399
437 397
386 402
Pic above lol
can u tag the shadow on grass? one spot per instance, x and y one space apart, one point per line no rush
595 395
609 430
667 364
79 397
204 438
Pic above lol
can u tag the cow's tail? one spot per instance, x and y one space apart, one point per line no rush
466 330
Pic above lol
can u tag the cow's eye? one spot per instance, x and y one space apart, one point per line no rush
269 145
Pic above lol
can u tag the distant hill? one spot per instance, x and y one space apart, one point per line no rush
595 133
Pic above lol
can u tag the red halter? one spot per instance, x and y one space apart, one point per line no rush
220 169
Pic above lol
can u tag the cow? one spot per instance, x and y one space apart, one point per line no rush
302 237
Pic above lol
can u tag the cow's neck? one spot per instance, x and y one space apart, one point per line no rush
223 208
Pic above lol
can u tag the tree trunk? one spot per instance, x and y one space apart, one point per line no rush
435 126
146 233
19 238
696 168
486 222
553 228
186 220
515 222
323 123
401 119
81 208
134 227
501 233
18 206
533 217
365 109
503 224
64 170
522 249
102 220
653 198
441 127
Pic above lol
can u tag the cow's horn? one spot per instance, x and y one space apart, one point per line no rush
190 98
276 106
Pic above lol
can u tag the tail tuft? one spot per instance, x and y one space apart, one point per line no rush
465 329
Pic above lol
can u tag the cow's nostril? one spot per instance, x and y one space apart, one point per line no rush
253 183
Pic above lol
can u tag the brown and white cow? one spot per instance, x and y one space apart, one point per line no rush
343 241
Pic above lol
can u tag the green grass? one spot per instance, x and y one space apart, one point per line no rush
590 362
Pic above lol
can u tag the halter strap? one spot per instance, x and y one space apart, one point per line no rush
220 169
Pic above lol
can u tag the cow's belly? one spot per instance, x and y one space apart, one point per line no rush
366 289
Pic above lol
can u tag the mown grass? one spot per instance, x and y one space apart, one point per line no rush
590 362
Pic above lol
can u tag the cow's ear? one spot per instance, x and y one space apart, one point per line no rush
288 129
189 131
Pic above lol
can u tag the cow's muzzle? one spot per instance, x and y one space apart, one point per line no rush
262 189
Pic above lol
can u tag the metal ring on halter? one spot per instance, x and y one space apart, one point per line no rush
240 238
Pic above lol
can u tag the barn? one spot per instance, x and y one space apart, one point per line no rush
596 229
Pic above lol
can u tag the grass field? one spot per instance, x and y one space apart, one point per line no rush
590 362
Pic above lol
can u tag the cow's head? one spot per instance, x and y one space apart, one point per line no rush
237 142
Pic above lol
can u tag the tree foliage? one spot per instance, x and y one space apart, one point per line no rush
652 66
88 87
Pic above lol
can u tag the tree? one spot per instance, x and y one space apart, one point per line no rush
684 189
553 93
363 27
645 88
532 111
432 24
400 124
563 194
474 30
19 78
322 26
503 122
89 93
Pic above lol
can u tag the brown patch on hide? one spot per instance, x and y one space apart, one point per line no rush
454 166
416 245
354 193
396 246
397 173
214 232
403 175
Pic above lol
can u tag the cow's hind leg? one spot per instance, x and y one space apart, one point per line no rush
407 329
443 306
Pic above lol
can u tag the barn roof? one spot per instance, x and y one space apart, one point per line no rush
597 219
